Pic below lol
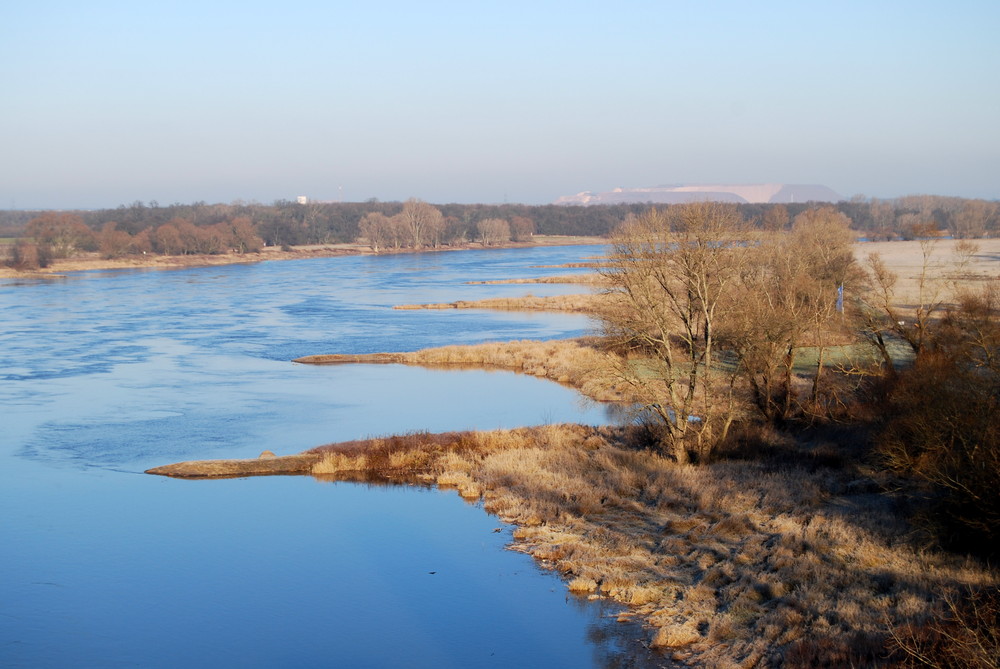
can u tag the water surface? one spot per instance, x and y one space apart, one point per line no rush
105 374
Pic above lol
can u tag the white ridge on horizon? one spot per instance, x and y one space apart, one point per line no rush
740 193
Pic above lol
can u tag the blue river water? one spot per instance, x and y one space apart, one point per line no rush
104 374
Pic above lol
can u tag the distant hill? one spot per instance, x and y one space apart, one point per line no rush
742 193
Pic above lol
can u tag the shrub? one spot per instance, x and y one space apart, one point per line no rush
942 432
28 256
965 634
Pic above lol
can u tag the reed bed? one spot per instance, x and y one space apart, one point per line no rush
587 279
580 303
577 363
733 564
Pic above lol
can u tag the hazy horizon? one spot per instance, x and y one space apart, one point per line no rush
108 103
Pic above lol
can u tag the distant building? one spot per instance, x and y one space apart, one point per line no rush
302 199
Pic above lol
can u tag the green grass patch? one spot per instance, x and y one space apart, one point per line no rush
834 357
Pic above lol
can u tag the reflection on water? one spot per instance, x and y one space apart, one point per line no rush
108 373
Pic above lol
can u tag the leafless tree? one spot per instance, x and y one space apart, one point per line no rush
775 218
789 294
882 316
521 228
672 275
423 222
493 231
376 229
974 218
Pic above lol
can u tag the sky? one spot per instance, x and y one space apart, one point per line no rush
106 103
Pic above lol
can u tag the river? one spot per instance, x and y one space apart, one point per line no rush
105 374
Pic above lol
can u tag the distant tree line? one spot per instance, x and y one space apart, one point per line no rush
201 228
63 235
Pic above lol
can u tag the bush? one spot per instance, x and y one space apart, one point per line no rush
942 432
27 256
966 633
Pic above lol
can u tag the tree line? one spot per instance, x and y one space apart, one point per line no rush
419 224
63 235
244 227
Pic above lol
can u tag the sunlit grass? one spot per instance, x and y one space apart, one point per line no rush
728 562
581 303
572 362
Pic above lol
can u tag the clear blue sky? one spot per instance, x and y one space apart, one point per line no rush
103 103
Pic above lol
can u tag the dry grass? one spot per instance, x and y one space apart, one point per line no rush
731 564
577 363
581 303
906 260
588 279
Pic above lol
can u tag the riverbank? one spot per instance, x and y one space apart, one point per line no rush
795 559
94 261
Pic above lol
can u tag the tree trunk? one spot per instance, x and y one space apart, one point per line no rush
816 378
786 409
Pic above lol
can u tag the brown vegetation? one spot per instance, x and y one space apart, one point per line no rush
718 311
731 564
670 276
577 363
941 426
593 279
265 464
963 633
584 303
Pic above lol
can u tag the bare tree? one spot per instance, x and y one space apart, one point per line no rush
521 228
423 222
822 238
942 424
775 218
242 236
788 299
493 231
671 275
768 326
973 218
883 318
884 219
375 227
167 238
